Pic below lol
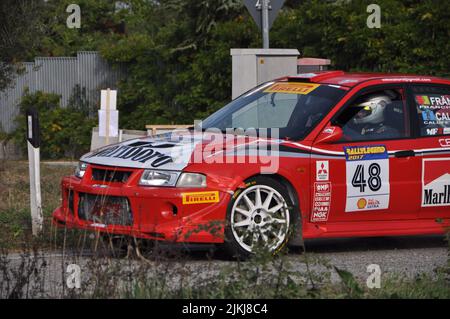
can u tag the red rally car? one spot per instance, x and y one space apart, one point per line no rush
328 154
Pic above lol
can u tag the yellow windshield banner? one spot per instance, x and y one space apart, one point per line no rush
292 88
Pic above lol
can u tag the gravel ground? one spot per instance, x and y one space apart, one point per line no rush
408 256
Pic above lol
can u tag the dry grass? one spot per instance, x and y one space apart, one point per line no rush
15 219
157 275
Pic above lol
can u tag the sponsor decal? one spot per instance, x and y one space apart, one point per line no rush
367 204
443 100
434 110
142 152
321 202
348 81
409 80
436 182
364 153
422 99
428 116
444 142
446 130
100 186
307 75
292 88
367 178
434 131
362 203
442 116
322 171
200 197
329 130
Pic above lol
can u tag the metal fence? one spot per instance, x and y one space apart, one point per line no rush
60 75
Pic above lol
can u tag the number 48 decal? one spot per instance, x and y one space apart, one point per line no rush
374 181
367 178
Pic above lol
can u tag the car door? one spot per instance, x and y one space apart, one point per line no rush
432 143
370 175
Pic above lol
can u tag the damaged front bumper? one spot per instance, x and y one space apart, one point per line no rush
120 206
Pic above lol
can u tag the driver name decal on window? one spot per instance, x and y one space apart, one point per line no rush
434 114
292 88
367 178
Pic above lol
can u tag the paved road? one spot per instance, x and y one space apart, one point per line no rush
409 256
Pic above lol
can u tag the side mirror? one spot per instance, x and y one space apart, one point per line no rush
329 134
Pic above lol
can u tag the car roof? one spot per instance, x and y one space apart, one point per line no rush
342 78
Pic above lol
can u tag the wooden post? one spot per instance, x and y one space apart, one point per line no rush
108 114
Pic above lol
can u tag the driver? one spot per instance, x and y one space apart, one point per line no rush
369 122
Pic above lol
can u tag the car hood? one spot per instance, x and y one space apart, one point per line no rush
166 151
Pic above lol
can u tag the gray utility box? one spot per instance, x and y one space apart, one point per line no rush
252 67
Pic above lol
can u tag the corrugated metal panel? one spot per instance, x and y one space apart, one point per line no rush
95 74
10 98
59 75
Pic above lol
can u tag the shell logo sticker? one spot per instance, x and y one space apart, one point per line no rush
200 197
292 88
362 203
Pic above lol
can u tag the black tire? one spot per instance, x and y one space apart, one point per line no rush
239 247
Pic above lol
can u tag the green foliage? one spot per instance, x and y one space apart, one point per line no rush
177 51
99 23
349 283
412 38
180 65
265 277
20 31
65 132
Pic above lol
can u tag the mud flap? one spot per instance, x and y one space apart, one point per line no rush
296 239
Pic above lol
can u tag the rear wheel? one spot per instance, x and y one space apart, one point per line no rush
258 217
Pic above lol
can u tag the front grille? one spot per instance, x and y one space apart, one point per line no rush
107 175
109 210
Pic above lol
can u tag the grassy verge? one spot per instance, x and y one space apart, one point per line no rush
15 219
157 275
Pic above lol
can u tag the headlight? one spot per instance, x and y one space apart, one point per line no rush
152 177
191 180
158 178
81 169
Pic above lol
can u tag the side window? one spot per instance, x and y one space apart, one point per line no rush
376 115
433 109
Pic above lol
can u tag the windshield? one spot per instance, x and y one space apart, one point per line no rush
294 108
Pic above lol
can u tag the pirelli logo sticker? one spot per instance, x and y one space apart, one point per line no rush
292 88
200 197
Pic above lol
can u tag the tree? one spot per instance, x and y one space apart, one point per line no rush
177 51
20 33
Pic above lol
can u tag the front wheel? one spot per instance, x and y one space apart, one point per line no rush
258 217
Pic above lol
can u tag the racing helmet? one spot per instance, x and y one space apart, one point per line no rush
372 110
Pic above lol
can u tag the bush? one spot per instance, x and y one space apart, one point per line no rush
65 132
